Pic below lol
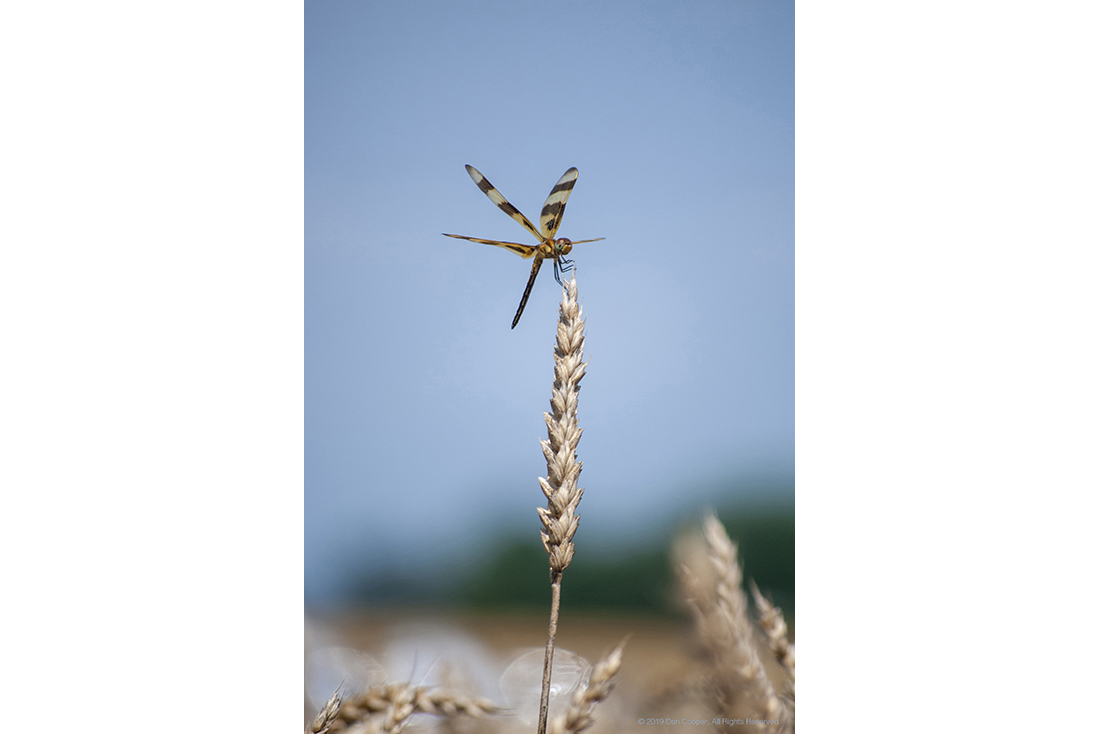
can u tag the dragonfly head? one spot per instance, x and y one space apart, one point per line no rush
562 246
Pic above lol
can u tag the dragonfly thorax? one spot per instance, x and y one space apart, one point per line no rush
555 249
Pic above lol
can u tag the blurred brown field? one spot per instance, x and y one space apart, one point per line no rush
694 659
659 652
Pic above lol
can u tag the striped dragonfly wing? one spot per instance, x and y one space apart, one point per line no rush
554 207
524 251
497 198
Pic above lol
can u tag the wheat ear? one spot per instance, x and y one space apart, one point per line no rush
326 716
559 518
743 662
579 716
401 708
743 688
399 701
775 629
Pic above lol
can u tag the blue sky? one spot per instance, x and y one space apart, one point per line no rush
423 408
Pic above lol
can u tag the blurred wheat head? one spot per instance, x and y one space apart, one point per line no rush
732 673
387 708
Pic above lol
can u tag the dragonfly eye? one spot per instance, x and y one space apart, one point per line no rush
562 246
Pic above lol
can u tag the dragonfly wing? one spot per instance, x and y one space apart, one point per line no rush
554 207
497 198
527 291
524 251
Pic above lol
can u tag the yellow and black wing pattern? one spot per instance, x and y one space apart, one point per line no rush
548 247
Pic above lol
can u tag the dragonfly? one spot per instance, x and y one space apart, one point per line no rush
548 248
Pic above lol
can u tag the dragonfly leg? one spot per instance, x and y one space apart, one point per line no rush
561 265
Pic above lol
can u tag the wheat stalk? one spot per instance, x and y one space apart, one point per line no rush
742 687
579 716
775 629
326 716
398 701
559 518
400 709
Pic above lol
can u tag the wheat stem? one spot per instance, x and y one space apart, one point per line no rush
559 518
